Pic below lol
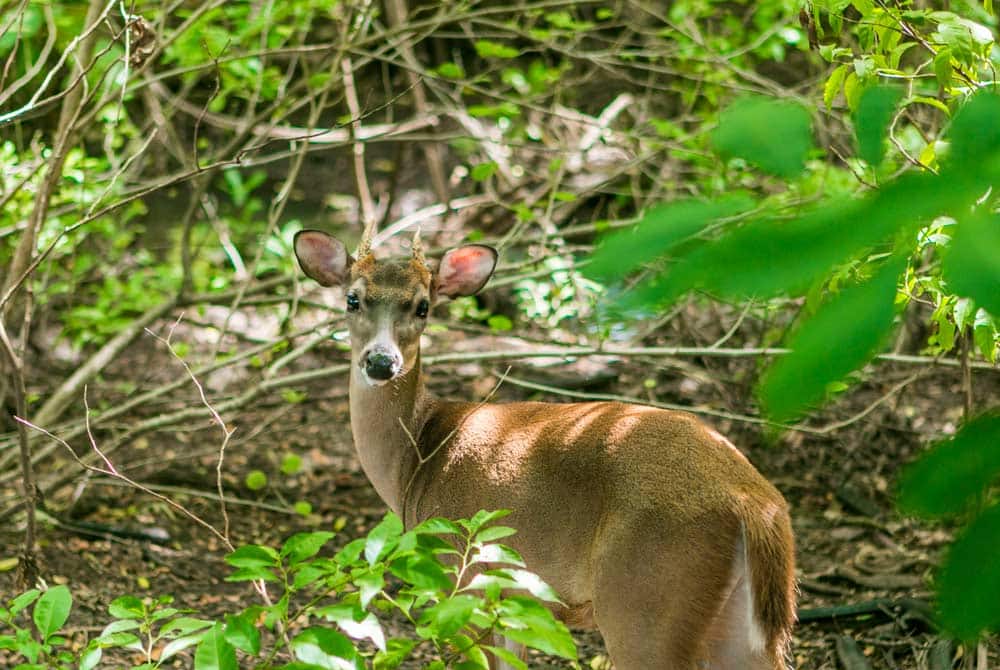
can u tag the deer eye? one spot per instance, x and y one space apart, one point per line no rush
422 308
353 304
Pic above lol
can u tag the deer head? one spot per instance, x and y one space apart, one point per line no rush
388 300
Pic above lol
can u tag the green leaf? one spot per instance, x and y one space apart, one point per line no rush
841 337
126 607
483 171
661 229
488 49
954 473
324 648
493 533
396 652
421 572
483 518
942 68
256 480
24 600
508 657
214 652
833 85
253 556
526 621
448 616
369 585
871 121
969 582
184 626
439 526
251 574
291 464
242 633
91 657
304 545
178 645
971 265
384 535
774 135
52 610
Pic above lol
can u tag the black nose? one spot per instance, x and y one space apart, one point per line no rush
380 365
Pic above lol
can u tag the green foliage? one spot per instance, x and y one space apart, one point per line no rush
775 136
455 578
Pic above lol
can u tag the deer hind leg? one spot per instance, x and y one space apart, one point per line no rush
735 639
655 599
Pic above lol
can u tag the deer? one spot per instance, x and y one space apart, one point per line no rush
649 524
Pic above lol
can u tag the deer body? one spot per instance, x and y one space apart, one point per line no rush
648 524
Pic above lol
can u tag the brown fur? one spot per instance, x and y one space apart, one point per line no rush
640 518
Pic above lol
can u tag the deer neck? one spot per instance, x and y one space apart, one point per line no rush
386 420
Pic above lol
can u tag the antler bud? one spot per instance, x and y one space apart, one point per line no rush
365 245
417 248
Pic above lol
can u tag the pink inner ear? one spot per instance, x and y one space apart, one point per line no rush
465 270
322 257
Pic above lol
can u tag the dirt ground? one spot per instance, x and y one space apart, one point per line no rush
853 548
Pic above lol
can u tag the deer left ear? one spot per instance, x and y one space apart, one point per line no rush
465 270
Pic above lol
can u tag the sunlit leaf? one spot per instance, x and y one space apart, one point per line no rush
949 477
842 336
214 652
383 535
52 610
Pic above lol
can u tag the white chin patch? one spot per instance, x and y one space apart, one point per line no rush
374 382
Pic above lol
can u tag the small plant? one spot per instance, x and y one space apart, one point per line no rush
39 642
460 589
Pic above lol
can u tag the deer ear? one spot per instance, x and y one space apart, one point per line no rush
465 270
322 257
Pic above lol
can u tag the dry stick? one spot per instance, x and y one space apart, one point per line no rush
358 148
27 566
398 14
226 431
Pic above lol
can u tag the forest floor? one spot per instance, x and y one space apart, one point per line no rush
853 547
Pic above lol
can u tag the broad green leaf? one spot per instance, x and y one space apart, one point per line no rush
842 336
214 652
396 652
385 534
242 633
971 264
250 574
126 607
325 648
488 49
178 645
526 621
508 657
493 533
833 85
304 545
448 616
369 585
498 553
52 610
439 526
184 625
354 621
954 473
421 572
482 518
942 68
871 121
661 229
774 135
90 657
253 556
969 582
24 600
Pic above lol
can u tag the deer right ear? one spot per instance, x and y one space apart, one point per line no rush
322 257
465 270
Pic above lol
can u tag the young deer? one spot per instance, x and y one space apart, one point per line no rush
647 523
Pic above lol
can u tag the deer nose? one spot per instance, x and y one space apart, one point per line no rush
381 365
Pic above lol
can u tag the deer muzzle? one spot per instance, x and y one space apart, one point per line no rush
381 365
